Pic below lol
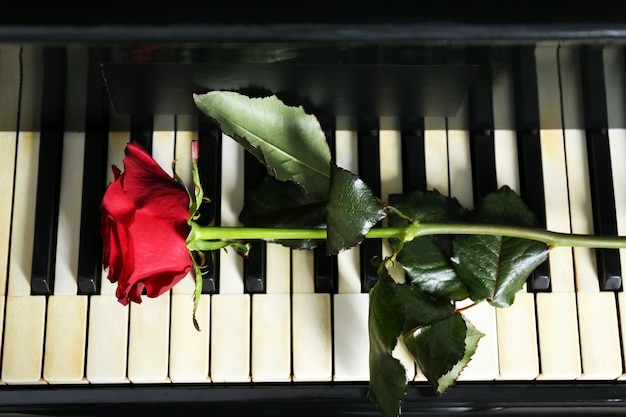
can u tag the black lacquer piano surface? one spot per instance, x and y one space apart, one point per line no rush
458 99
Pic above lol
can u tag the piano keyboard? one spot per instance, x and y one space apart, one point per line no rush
298 316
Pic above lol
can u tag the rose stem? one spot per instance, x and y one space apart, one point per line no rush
415 230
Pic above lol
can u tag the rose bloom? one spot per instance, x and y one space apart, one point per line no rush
144 228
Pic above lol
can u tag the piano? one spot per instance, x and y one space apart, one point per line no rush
462 101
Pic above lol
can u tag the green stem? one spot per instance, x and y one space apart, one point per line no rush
200 233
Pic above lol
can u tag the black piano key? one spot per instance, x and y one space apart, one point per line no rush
141 130
480 119
209 169
49 175
254 264
94 175
529 148
325 267
413 158
599 157
369 171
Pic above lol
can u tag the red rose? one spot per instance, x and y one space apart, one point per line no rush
144 228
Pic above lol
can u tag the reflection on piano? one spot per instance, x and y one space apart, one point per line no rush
285 332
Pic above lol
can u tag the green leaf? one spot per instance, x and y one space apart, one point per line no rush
394 309
288 141
495 267
351 212
279 204
443 349
427 259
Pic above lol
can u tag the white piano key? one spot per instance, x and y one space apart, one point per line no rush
436 154
312 337
484 363
597 311
558 336
614 77
66 320
350 334
599 332
23 339
271 320
557 326
230 338
271 338
107 338
553 165
311 323
302 271
390 148
186 132
148 338
230 309
65 339
459 159
65 282
231 203
348 261
9 97
24 315
189 348
278 269
351 340
518 353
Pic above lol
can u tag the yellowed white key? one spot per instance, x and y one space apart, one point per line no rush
556 311
230 309
390 149
350 334
518 354
616 87
271 320
25 315
230 338
148 337
271 337
107 336
436 154
9 94
349 280
484 363
66 320
436 166
311 323
597 311
189 348
148 340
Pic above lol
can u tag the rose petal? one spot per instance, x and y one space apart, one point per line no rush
160 255
150 188
116 203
